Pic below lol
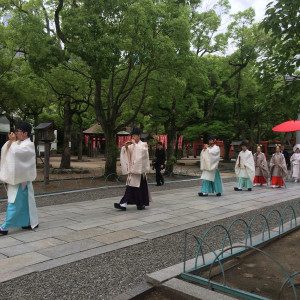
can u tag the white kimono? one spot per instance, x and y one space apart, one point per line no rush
135 162
18 166
295 163
209 161
247 168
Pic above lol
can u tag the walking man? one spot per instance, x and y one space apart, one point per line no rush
160 155
135 163
245 169
209 160
18 170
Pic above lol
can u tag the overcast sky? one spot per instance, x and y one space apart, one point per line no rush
258 5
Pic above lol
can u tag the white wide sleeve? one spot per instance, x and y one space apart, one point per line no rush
18 163
140 159
210 158
124 160
250 166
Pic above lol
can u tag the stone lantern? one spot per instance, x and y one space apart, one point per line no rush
44 132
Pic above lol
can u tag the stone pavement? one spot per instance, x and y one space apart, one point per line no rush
75 231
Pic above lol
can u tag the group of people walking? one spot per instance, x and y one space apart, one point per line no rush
251 170
18 170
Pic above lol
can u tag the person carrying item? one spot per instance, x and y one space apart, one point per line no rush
135 163
245 169
209 160
18 170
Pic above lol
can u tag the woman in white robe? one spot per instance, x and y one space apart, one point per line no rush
295 163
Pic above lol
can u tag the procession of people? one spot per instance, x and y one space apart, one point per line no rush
18 170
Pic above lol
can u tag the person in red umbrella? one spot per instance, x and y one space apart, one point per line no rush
278 168
261 167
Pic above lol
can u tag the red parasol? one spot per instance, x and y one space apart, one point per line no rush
287 126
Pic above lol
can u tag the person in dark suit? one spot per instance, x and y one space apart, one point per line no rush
286 156
160 156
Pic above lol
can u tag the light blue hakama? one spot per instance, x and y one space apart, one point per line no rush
212 186
245 183
17 214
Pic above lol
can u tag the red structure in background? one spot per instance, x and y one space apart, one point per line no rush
122 140
164 140
94 141
265 146
200 145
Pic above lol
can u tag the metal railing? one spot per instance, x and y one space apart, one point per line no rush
289 214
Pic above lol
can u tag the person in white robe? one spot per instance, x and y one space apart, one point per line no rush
18 170
134 158
245 169
209 162
295 163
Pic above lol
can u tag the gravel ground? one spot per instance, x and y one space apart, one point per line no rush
110 274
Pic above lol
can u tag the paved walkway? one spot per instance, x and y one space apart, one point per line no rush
75 231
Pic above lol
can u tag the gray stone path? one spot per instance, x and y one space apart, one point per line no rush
75 231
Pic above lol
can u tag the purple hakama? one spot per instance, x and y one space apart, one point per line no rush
138 196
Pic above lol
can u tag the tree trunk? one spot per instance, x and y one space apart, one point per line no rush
80 138
227 146
66 151
36 142
251 142
111 153
171 159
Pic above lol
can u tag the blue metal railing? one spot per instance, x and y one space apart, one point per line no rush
225 253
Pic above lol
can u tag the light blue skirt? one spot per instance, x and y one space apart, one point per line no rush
17 214
245 183
212 186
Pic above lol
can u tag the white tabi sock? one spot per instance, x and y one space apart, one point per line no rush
123 204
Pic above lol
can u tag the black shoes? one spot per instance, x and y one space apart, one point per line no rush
140 207
237 189
118 206
29 227
3 232
218 195
158 184
202 195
